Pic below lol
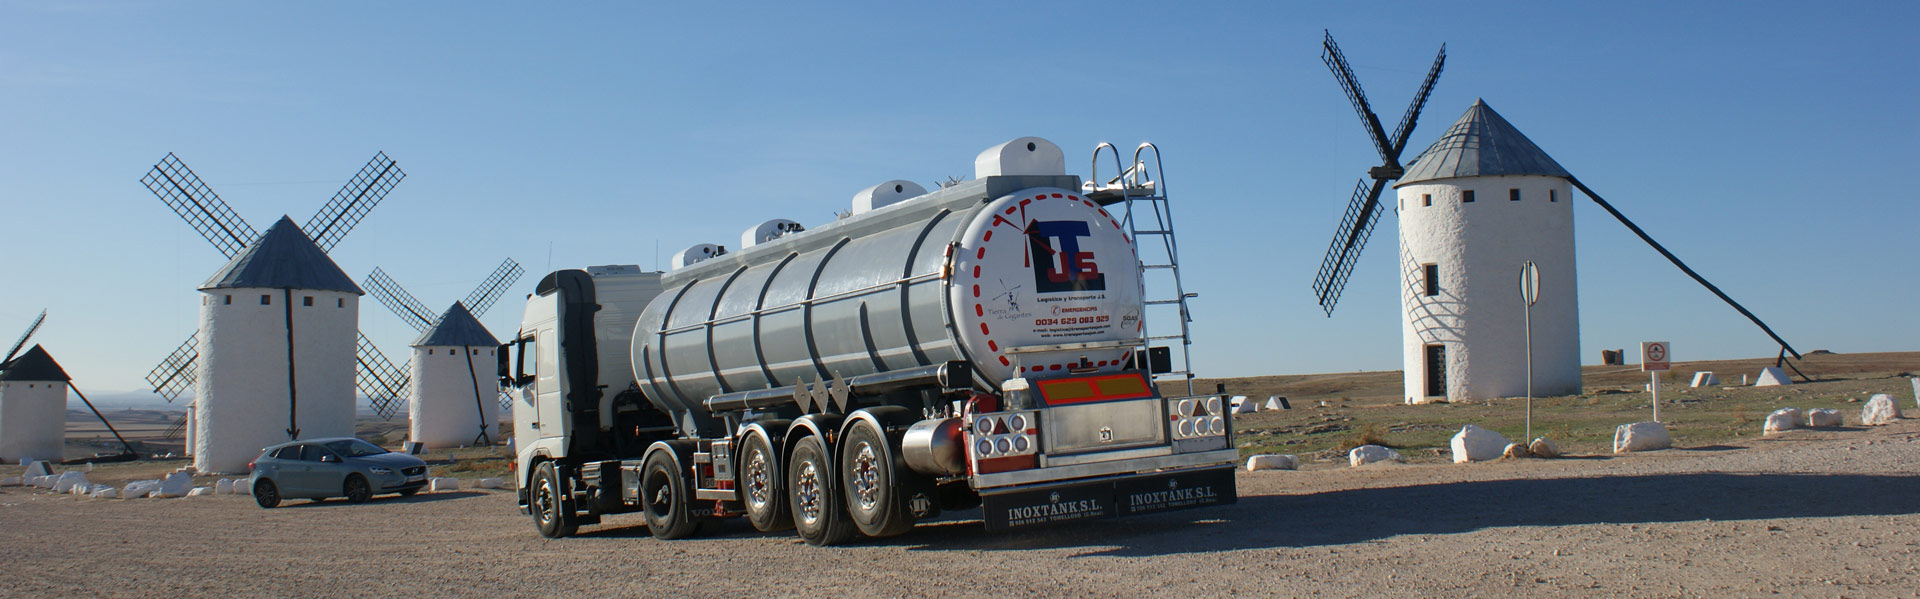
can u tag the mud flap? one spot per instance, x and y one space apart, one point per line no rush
1108 498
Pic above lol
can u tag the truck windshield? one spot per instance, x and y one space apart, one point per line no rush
354 448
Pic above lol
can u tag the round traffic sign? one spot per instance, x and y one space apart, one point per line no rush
1657 352
1529 283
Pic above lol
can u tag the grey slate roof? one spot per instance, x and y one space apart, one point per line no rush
33 365
283 258
1480 144
457 327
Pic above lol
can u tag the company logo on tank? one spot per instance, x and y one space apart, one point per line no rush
1058 264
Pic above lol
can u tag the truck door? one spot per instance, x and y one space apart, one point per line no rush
548 391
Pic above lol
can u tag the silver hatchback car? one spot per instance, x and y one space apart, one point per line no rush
333 467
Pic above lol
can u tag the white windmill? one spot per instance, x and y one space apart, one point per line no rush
276 354
33 406
455 397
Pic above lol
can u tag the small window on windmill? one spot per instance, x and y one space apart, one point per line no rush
1426 199
339 302
1513 195
307 301
1433 279
1466 195
1553 195
429 351
266 300
229 299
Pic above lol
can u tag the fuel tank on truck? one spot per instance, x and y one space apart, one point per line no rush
1014 271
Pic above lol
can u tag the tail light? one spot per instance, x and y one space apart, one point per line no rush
1004 442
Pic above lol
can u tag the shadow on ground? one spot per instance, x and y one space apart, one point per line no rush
378 499
1362 515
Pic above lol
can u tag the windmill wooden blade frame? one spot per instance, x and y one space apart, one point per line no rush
24 337
175 374
1344 251
1408 120
377 378
189 197
491 289
1337 62
353 201
396 298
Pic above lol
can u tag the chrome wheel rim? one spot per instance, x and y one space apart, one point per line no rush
866 477
807 492
759 481
543 501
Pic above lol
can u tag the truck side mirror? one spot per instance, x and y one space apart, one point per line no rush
503 366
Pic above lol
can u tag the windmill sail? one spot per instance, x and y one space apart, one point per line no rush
493 287
181 190
384 385
23 338
174 376
353 201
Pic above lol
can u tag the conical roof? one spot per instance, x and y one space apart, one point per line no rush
1480 144
33 365
283 258
457 327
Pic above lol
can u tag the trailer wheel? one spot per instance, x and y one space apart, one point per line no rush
761 487
817 511
663 498
550 515
875 502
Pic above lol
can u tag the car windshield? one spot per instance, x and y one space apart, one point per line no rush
354 448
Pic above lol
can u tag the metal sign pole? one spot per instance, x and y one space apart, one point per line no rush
1529 293
1655 378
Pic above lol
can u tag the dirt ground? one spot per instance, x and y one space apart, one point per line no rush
1809 513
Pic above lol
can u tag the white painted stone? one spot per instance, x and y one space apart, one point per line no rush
1271 462
177 484
1705 378
68 479
490 483
198 491
443 484
1475 444
1273 403
1916 390
1772 376
1368 454
1516 451
1641 436
11 481
1823 417
1240 405
104 493
1880 410
1542 448
1784 419
37 468
1477 315
223 486
44 482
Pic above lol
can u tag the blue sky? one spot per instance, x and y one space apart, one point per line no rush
1768 144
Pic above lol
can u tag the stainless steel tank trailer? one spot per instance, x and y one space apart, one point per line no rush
976 345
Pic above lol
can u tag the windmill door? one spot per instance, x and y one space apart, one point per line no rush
1437 370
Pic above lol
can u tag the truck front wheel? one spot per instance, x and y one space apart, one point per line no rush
874 499
550 515
663 494
817 511
762 489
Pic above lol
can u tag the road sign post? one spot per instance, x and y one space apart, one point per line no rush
1654 356
1529 293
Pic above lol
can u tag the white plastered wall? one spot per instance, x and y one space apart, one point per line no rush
33 420
442 409
1478 315
241 399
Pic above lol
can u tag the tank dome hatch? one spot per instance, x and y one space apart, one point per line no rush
695 254
886 194
769 231
1023 156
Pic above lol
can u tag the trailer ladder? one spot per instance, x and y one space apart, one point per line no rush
1148 215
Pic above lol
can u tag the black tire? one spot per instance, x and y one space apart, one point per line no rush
410 492
664 499
545 502
266 493
818 514
356 489
875 502
762 490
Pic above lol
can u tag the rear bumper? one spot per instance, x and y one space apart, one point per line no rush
991 483
1026 506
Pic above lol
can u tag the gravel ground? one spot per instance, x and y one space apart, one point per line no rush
1808 513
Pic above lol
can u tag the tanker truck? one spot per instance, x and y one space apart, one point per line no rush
979 345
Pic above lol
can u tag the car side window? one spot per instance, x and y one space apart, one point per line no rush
313 453
290 452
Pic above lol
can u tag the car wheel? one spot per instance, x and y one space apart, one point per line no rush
664 497
550 514
761 487
817 512
266 493
410 492
356 489
875 502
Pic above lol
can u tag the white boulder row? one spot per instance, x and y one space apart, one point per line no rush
1542 448
1772 376
1516 451
1641 436
1368 454
198 491
1272 462
1705 378
490 483
1880 410
223 486
35 468
11 481
44 482
438 485
68 479
1475 444
177 484
1823 417
1241 405
140 488
1916 389
104 493
1784 419
1274 402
